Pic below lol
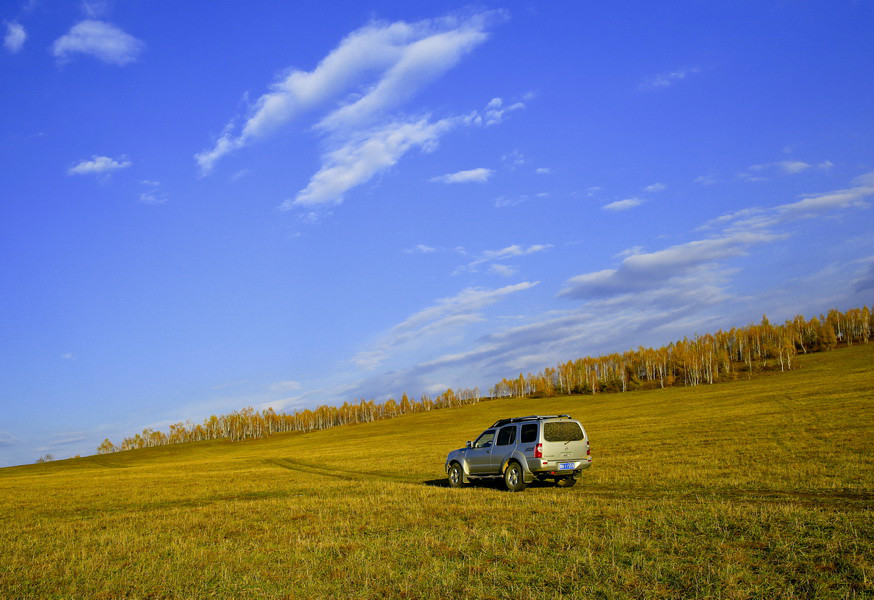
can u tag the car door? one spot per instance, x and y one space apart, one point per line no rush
479 457
504 447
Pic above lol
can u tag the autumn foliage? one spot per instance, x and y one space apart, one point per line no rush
705 359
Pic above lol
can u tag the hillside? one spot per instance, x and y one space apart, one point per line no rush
760 488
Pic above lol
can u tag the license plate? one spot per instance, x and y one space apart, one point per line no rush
566 466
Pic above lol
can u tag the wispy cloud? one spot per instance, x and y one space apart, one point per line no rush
480 175
663 80
655 187
668 270
446 315
664 268
543 341
809 205
96 8
649 298
784 167
153 194
506 201
15 36
421 249
98 165
495 111
865 282
99 39
366 154
387 63
493 256
623 204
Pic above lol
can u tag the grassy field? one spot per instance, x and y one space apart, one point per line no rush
750 489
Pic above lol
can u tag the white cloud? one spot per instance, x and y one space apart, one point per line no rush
810 205
663 80
422 249
791 167
865 281
664 269
101 40
358 160
655 187
15 37
153 194
783 167
435 321
650 298
505 201
479 175
96 8
623 204
846 198
383 65
418 62
543 171
667 270
514 158
495 111
504 270
98 165
491 256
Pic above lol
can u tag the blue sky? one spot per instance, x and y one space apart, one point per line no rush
208 206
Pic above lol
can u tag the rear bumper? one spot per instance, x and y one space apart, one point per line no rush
544 467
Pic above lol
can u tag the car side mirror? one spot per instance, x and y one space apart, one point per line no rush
469 444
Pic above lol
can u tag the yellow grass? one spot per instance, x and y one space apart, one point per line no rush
749 489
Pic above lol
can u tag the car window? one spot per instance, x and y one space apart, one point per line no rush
507 436
562 431
529 433
485 439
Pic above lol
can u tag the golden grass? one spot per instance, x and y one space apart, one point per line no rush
749 489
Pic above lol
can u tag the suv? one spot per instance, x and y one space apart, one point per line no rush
523 450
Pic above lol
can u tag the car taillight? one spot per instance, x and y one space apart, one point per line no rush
538 451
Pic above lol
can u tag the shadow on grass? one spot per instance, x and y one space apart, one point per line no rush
488 484
441 483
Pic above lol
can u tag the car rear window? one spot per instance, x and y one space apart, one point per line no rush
562 431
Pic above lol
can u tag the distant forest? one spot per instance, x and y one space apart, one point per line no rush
706 359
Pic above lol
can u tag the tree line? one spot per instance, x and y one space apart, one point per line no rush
705 359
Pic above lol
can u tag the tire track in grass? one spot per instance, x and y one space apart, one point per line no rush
323 471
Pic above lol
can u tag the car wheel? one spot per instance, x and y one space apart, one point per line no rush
513 477
566 482
455 476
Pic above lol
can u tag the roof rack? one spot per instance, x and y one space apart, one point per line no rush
502 422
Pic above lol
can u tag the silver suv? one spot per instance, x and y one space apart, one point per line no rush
522 450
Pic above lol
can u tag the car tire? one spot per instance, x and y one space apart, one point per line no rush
514 477
566 482
455 475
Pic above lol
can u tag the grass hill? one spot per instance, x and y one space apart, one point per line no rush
749 489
